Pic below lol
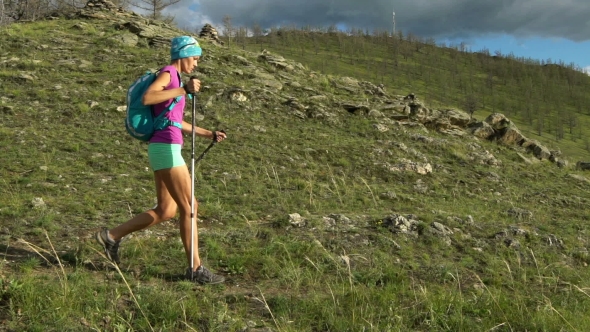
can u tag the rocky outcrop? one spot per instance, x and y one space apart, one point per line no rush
210 33
155 33
103 5
275 61
496 127
481 129
103 10
140 30
498 121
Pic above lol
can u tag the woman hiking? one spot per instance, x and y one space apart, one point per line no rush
171 175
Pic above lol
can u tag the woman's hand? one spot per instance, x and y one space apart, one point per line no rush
218 136
193 85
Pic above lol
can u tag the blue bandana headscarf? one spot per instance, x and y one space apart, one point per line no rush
184 47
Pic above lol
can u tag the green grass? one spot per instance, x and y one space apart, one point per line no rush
345 269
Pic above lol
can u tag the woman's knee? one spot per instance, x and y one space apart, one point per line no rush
186 209
165 212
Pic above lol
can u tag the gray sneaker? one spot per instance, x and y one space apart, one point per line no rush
111 247
203 276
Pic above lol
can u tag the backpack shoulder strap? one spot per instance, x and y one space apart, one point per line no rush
159 119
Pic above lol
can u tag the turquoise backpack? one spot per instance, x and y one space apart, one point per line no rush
140 121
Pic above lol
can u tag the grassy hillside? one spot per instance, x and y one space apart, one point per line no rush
321 219
547 99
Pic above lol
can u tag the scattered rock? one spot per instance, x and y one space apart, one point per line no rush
512 243
275 60
26 77
407 165
338 221
520 214
296 220
420 187
260 129
484 157
356 108
397 223
380 127
440 229
38 203
237 95
390 195
552 240
561 163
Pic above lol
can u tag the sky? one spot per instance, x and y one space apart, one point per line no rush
540 29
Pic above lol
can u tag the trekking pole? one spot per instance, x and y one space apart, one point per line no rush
193 185
208 148
193 161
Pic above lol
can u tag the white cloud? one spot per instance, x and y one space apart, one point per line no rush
188 16
586 70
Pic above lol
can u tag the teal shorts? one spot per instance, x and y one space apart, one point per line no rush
163 156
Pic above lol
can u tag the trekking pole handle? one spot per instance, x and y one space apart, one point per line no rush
215 135
207 149
194 78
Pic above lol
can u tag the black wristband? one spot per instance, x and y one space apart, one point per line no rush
214 136
186 90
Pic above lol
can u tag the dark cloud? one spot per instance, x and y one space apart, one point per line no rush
428 18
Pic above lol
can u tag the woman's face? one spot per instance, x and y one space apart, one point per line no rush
189 64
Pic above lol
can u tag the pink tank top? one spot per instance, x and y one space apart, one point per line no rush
171 134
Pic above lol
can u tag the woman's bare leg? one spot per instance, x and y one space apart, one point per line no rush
165 210
178 182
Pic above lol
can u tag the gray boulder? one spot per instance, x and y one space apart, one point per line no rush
583 166
482 130
511 136
498 121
